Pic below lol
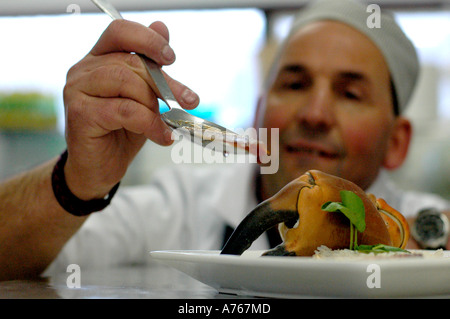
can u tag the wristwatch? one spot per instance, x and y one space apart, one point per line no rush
431 229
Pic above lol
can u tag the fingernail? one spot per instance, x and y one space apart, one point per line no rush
168 54
168 135
189 97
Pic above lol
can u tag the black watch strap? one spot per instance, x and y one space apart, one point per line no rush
69 201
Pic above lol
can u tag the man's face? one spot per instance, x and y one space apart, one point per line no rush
331 100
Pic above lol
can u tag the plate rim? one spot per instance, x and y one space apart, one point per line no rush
252 259
203 266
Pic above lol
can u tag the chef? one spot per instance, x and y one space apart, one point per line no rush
337 93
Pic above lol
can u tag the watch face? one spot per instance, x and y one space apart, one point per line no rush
430 227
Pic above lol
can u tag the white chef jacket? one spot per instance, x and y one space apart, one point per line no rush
188 207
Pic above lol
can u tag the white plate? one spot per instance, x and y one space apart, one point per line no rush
252 275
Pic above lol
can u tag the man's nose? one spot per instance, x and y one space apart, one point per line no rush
318 112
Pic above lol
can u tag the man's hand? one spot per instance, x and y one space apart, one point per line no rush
111 106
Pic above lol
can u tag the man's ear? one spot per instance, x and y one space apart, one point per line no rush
398 143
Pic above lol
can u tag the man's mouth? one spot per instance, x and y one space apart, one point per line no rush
312 151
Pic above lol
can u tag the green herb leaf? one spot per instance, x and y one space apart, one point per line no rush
333 207
380 248
355 204
352 207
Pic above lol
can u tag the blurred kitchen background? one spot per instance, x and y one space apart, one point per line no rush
223 49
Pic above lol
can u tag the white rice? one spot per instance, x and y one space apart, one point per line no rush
325 252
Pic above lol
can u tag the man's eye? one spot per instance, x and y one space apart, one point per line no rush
352 96
297 85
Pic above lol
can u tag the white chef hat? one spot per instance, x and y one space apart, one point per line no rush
398 51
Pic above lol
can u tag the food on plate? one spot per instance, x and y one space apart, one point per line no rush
320 209
323 252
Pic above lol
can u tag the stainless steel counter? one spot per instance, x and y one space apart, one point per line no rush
127 282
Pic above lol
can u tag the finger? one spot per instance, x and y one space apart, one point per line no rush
136 118
187 98
128 36
161 28
105 115
118 80
123 74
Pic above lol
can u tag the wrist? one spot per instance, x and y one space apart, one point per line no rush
80 203
83 184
